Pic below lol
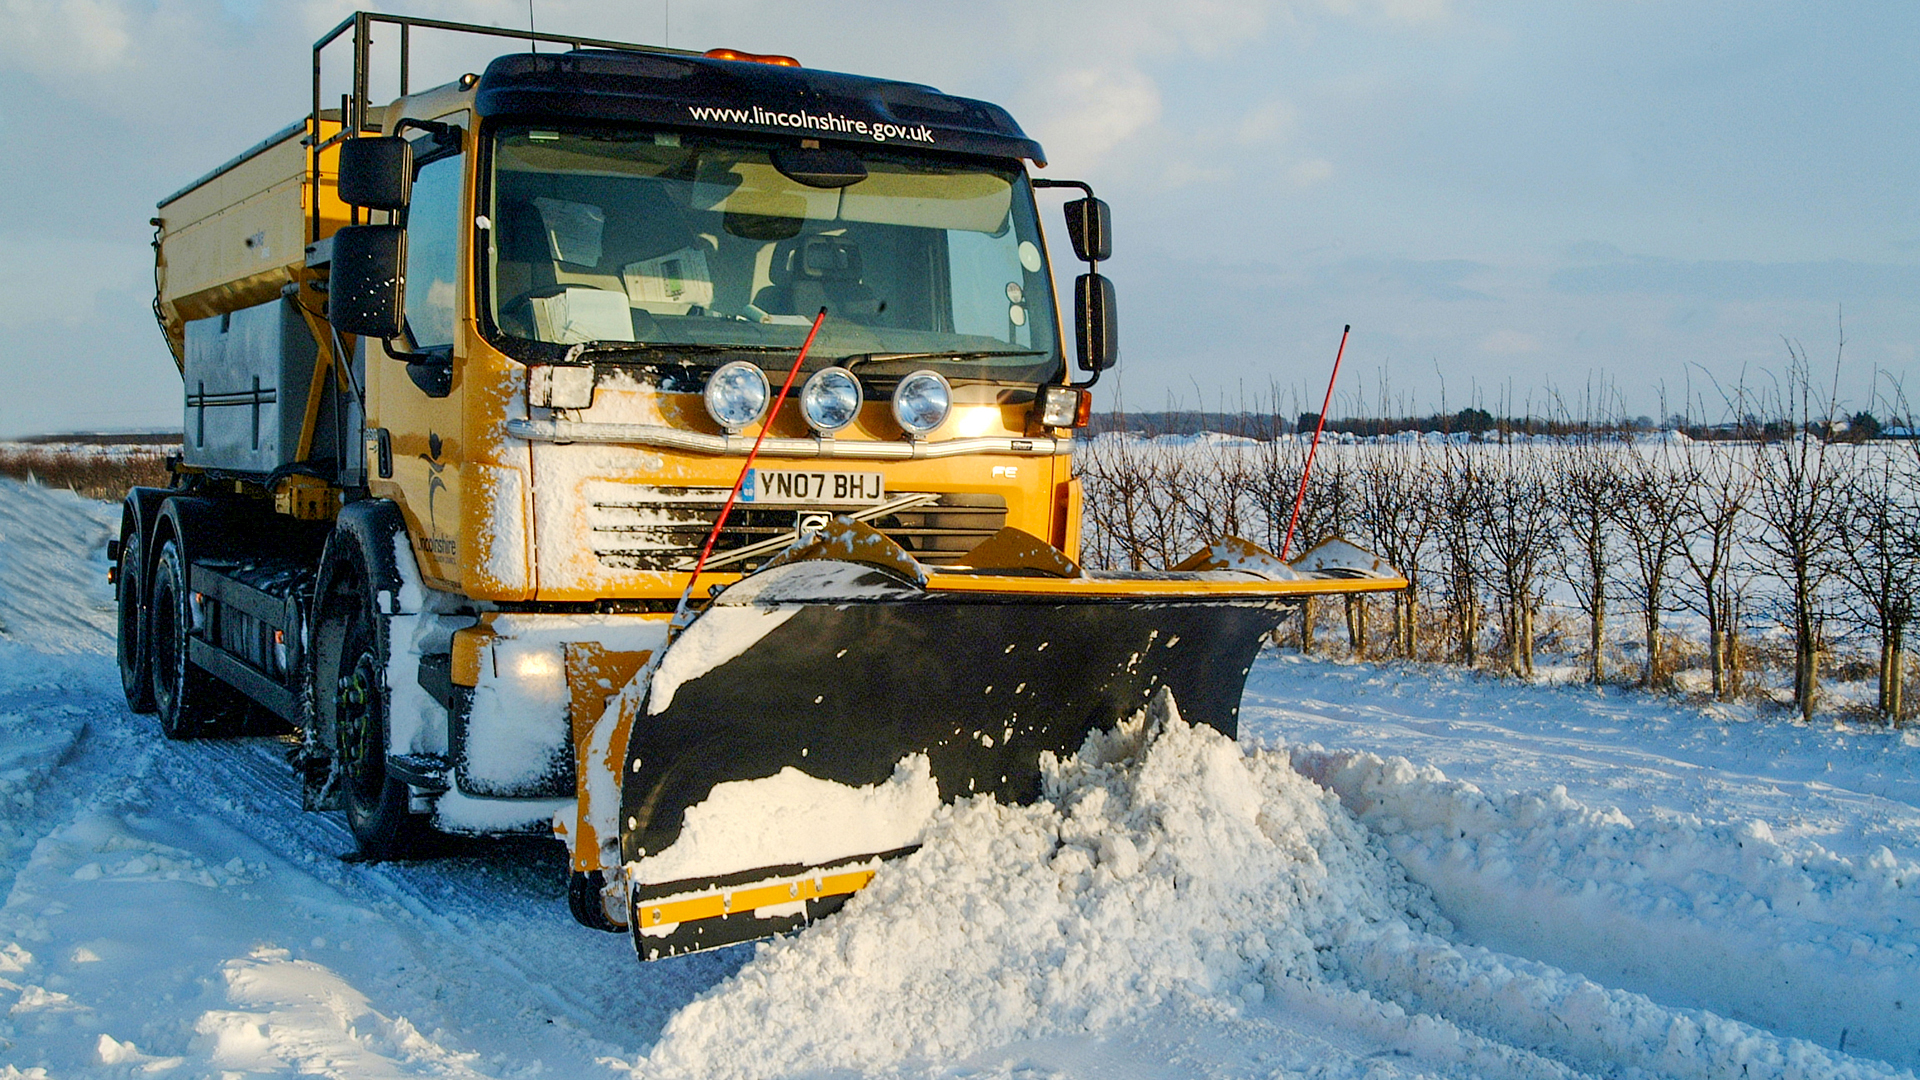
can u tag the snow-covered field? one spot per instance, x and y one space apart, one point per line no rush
1399 871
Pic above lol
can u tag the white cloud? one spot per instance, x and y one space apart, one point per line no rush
81 36
1094 110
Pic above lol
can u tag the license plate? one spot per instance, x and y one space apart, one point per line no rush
811 487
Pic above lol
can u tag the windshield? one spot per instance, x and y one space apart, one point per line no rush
701 248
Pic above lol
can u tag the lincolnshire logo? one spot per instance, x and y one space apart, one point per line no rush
806 121
435 542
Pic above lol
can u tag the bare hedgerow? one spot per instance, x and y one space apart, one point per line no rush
1219 497
1476 525
1131 522
94 475
1151 503
1326 506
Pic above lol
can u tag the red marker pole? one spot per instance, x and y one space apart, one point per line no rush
686 595
1314 447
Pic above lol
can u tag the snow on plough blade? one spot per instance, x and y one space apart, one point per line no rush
810 721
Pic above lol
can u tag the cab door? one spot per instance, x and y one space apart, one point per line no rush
415 398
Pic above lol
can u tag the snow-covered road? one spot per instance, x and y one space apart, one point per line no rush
1558 883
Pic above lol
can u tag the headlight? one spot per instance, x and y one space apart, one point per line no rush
921 402
1065 406
736 395
830 400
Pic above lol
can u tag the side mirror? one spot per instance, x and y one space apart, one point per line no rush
376 172
1090 227
1096 322
366 287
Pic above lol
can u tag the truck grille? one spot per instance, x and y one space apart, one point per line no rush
661 528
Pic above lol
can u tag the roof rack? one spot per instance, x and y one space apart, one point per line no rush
354 105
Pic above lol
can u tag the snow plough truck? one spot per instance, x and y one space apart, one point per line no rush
672 452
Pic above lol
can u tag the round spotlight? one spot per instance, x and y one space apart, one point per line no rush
830 400
736 395
921 402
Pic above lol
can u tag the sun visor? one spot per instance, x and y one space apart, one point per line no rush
973 203
745 187
730 95
970 203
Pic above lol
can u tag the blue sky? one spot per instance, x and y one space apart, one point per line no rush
1507 201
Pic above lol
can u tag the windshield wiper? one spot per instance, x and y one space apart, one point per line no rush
665 348
851 362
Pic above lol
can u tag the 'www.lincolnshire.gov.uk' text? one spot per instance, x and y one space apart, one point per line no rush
807 121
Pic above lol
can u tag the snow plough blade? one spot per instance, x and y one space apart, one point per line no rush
808 723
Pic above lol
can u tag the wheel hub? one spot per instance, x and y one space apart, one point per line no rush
356 698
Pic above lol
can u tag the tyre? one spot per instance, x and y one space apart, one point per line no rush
135 659
192 703
586 901
350 700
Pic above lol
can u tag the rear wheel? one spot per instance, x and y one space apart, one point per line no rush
135 657
349 681
192 703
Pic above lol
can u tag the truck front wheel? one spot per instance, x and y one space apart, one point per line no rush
349 681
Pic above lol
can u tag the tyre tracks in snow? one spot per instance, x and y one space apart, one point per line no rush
495 905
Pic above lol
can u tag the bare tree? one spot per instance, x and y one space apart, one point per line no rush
1654 486
1587 490
1878 555
1798 502
1325 510
1519 534
1276 469
1711 513
1462 491
1396 506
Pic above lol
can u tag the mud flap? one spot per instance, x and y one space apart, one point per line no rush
868 670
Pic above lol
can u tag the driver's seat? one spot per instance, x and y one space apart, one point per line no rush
813 272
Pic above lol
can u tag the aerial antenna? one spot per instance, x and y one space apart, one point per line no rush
533 43
1314 448
666 22
683 613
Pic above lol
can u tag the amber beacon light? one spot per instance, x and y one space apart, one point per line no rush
751 58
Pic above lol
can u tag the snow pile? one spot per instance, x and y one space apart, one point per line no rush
52 553
1722 917
1166 865
1169 869
791 817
